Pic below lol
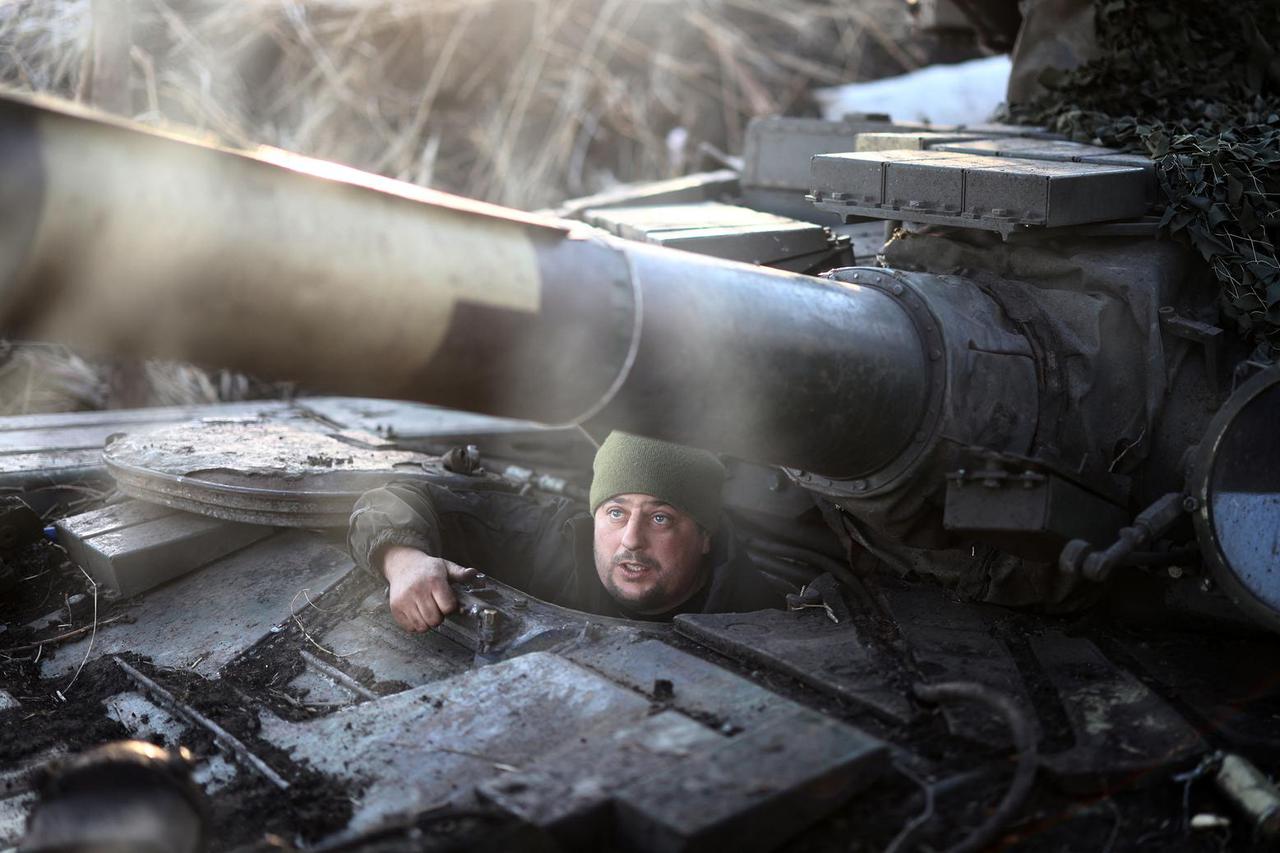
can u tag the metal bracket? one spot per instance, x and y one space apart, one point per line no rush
1081 558
1026 507
1208 336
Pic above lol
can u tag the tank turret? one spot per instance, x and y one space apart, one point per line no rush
1029 370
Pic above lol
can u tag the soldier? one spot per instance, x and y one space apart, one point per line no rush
653 546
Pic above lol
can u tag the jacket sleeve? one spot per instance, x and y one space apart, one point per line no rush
396 514
515 538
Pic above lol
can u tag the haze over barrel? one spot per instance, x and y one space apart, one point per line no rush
128 242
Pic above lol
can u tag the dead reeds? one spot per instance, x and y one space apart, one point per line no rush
522 102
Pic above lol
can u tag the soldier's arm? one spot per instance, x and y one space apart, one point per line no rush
396 534
418 586
419 536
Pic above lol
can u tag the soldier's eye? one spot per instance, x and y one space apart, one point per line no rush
661 518
614 513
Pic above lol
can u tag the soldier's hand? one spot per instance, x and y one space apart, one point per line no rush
420 593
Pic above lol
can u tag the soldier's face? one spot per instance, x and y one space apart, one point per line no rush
649 555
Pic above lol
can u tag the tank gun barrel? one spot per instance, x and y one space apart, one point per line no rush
137 243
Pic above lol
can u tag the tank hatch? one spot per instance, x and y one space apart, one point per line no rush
273 474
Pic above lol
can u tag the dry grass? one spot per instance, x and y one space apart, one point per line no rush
37 377
522 102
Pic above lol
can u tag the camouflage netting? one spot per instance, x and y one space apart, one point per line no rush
1196 86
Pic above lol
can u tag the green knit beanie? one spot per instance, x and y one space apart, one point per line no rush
688 479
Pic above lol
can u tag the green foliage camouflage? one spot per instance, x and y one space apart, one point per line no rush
1195 85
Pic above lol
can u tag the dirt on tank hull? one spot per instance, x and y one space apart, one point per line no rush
311 717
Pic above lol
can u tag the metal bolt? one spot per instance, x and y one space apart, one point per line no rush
487 630
519 602
1175 572
1206 585
897 288
856 276
1190 504
935 354
859 485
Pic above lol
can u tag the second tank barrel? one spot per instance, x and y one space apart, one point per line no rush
134 243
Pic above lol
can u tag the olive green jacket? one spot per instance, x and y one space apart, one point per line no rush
543 547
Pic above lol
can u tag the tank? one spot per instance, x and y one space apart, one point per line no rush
985 431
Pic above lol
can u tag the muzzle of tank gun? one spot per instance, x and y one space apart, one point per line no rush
135 243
